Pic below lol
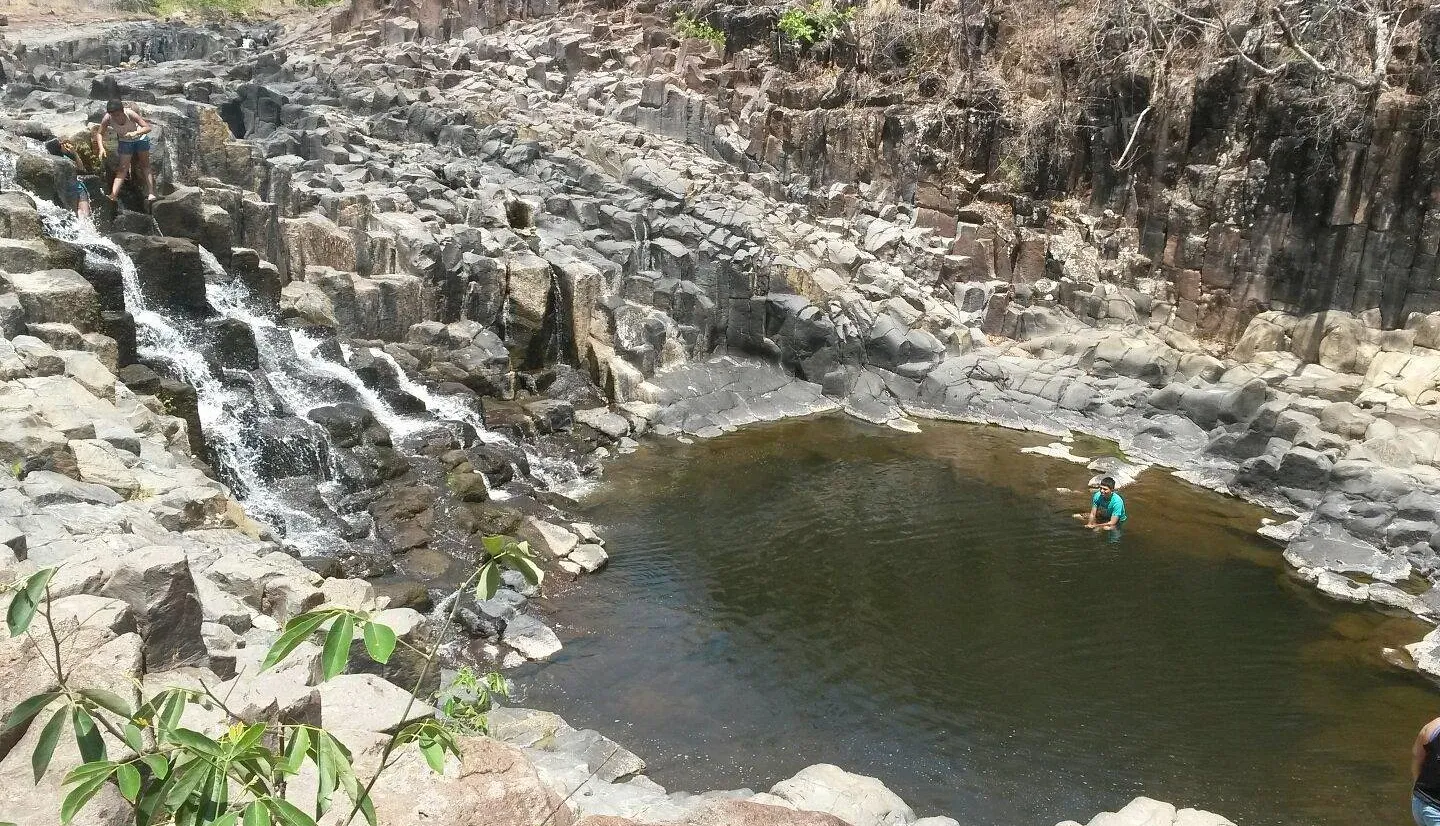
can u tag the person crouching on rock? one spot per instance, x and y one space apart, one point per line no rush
132 139
86 163
1107 509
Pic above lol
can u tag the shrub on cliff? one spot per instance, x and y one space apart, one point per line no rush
168 773
813 22
690 28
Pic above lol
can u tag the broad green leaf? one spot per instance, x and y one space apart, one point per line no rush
495 682
45 748
79 796
87 736
488 581
434 755
127 777
108 700
337 646
27 709
226 819
151 808
186 782
295 750
297 631
256 815
158 765
357 795
288 814
379 641
248 738
326 769
133 738
493 545
26 601
195 741
87 771
527 568
217 796
171 710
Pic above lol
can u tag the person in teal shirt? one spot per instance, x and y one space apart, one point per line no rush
1107 509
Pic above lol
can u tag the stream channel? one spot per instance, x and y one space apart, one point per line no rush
925 609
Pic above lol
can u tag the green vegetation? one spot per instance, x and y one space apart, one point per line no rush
820 20
171 774
691 29
216 9
466 701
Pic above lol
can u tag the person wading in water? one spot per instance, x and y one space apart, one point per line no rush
1107 509
1425 768
132 139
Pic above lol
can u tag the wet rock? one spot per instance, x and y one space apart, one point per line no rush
531 637
345 422
547 538
172 273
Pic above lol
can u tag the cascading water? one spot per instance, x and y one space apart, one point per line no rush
256 426
177 347
555 473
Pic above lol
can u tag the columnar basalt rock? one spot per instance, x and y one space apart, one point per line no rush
571 234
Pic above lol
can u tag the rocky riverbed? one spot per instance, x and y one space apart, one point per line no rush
431 283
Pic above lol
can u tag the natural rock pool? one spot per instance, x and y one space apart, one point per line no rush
924 608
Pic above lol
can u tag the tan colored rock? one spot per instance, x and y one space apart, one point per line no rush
490 778
854 798
309 302
749 813
104 464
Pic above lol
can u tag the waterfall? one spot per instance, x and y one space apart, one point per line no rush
176 346
445 407
254 421
554 473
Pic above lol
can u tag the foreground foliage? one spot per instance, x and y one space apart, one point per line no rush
168 773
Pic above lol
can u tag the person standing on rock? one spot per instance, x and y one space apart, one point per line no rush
132 139
1425 768
1107 509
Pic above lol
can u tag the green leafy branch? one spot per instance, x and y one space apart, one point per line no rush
168 773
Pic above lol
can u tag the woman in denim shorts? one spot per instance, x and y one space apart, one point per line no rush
132 138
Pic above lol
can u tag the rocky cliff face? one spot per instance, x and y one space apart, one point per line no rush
1218 190
545 239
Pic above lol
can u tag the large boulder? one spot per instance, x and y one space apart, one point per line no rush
1143 811
1331 339
57 296
724 812
184 214
1261 336
854 798
157 585
489 777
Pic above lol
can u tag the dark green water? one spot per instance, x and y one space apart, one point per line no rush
924 608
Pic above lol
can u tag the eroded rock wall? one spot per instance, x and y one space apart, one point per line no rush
1233 199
